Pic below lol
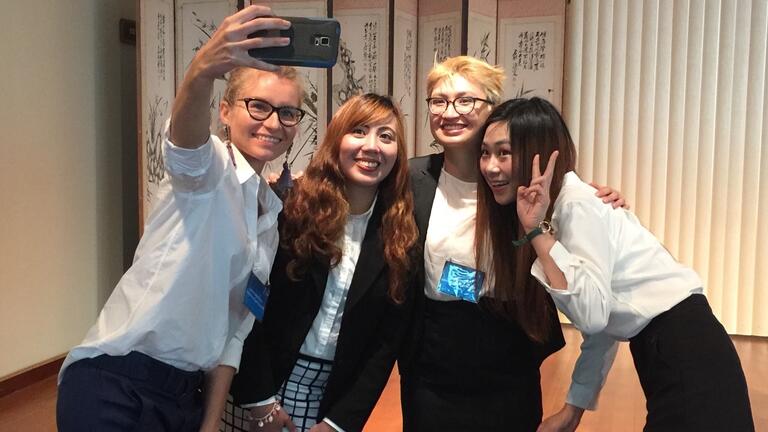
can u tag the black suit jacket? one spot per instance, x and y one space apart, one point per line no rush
368 342
425 173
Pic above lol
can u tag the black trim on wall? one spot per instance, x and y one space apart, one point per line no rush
27 377
465 26
329 77
391 53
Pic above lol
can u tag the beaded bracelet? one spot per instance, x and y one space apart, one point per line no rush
267 418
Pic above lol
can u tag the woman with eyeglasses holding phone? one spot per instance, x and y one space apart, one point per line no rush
340 297
169 339
472 354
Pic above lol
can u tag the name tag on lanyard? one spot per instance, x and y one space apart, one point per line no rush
461 281
256 295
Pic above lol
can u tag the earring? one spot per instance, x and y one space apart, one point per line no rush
229 146
285 181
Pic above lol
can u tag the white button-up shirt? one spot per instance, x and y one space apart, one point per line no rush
214 222
619 278
323 336
321 340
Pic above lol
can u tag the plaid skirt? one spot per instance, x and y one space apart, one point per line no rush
300 396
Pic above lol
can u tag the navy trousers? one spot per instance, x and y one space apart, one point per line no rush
129 393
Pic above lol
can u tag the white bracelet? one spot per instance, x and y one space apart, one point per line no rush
267 418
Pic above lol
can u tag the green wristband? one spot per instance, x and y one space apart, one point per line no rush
528 237
543 228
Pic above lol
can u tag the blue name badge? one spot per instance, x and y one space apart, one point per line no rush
460 281
256 295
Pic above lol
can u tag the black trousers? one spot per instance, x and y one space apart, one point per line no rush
690 372
128 393
429 408
473 371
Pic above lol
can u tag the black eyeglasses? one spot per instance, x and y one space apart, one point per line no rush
462 105
260 110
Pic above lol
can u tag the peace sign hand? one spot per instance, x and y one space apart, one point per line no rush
229 45
533 201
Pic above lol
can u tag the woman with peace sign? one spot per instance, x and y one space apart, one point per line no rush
608 274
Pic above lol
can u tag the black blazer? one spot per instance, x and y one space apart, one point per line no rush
368 342
425 172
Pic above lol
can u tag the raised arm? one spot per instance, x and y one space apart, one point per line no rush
576 269
532 204
226 50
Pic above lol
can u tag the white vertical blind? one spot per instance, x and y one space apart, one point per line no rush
666 101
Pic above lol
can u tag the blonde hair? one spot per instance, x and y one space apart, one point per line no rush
238 76
490 78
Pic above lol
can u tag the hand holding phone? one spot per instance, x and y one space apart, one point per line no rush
314 42
229 45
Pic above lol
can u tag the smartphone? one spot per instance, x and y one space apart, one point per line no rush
314 43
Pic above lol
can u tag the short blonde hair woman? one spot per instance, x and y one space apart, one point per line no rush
472 360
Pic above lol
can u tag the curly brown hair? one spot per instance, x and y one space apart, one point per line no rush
316 209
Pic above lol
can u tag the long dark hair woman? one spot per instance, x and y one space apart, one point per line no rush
607 273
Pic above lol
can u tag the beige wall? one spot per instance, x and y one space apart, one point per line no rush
60 172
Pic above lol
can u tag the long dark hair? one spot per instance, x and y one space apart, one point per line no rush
535 127
316 210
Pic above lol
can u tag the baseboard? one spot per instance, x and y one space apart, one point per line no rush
30 375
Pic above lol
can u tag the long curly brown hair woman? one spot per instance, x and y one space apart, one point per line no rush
316 210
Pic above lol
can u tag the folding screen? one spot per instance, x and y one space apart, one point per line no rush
440 36
404 77
196 21
481 29
157 65
388 46
363 62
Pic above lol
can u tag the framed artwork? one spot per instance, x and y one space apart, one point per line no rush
404 65
531 49
197 20
439 38
481 30
363 63
315 103
157 75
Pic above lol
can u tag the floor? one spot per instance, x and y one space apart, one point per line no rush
622 406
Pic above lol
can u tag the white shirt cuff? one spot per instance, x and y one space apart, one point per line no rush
562 259
234 348
260 403
333 425
582 396
184 161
